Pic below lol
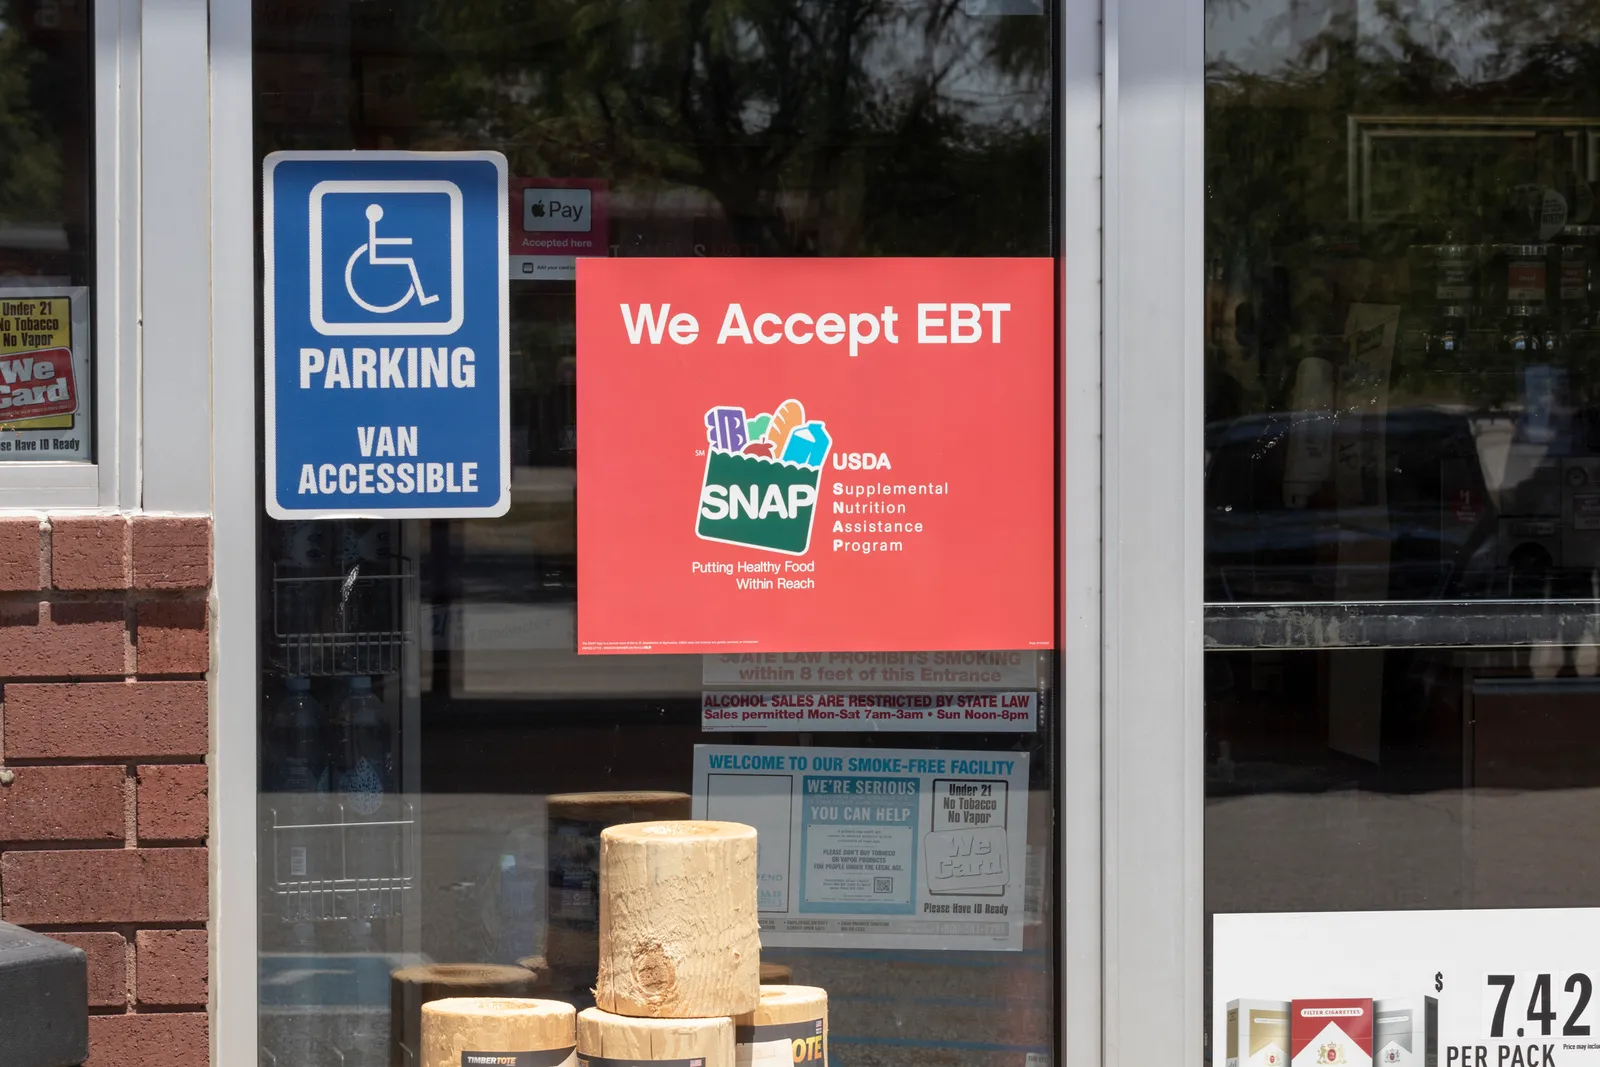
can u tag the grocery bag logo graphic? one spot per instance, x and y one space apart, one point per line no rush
762 477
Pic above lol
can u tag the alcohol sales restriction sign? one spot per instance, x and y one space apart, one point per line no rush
387 334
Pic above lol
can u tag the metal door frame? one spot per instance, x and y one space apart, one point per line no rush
1128 872
1152 704
235 494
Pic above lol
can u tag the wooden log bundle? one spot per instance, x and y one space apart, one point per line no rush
788 1027
469 1031
539 967
604 1036
771 973
412 987
678 929
574 822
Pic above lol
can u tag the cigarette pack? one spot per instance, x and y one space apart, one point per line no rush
1405 1031
1258 1033
1329 1032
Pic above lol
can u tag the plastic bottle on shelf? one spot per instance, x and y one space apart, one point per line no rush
1455 291
1527 327
298 596
375 545
517 899
1308 461
366 758
297 769
366 785
297 746
350 607
380 607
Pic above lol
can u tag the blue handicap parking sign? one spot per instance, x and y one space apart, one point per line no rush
386 326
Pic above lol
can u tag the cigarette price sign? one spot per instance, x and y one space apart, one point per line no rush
784 455
1481 988
1556 1005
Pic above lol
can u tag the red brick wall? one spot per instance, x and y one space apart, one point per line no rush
104 651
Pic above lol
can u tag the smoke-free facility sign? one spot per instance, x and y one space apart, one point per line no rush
782 455
387 338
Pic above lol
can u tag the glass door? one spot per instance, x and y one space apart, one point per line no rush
1402 572
436 758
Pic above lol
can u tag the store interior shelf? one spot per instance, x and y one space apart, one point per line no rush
1401 624
341 865
354 623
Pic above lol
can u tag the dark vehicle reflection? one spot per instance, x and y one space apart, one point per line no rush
1468 506
1292 515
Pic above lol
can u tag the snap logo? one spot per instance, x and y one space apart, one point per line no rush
762 477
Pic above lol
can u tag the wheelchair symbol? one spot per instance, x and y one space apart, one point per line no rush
400 232
370 250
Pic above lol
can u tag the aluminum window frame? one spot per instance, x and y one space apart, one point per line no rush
1083 102
170 399
150 336
110 479
1153 712
1080 103
234 933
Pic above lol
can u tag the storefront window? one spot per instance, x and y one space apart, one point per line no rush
46 230
1402 326
436 757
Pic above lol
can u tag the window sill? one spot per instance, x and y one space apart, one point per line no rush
43 485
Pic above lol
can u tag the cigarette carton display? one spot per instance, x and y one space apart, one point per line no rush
1258 1033
1331 1032
1406 1031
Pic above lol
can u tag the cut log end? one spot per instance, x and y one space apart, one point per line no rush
412 987
631 799
501 1008
678 830
465 975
